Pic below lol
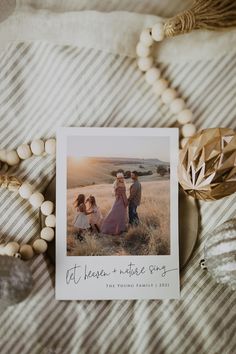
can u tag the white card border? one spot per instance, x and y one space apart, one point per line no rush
91 290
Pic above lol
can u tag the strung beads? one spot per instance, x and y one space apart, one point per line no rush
3 155
11 248
36 199
145 63
177 105
152 75
188 130
47 207
185 116
12 158
40 246
142 50
158 32
37 147
25 190
47 234
50 221
50 146
160 85
24 152
26 252
146 37
168 95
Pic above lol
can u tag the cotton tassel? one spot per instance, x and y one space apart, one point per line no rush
204 14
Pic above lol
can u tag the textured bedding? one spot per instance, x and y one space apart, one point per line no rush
46 83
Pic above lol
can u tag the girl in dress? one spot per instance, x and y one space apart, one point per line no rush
95 218
116 221
81 221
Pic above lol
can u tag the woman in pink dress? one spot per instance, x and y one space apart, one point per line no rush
116 221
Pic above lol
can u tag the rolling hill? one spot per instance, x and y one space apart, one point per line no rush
96 170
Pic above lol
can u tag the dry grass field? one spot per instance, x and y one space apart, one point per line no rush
151 237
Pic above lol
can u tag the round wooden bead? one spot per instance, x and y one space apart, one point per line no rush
25 190
47 234
158 32
17 255
24 151
37 147
11 248
152 75
50 221
177 105
50 146
40 246
142 50
3 155
185 116
36 199
47 207
12 158
26 252
160 86
146 37
168 95
188 130
145 63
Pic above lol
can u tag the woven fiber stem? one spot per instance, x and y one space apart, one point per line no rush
12 183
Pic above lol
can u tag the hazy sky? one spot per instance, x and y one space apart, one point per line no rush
119 146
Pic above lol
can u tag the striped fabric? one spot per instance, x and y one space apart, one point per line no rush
44 86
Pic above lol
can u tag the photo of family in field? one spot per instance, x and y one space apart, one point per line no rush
118 197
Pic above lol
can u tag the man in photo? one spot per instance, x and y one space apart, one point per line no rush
134 199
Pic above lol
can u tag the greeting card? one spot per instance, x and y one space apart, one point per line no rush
117 213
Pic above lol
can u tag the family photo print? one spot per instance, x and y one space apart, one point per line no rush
117 212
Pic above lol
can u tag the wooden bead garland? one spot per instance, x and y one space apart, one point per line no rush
36 199
25 151
208 14
160 87
38 147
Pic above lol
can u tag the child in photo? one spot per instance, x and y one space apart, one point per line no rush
94 213
81 221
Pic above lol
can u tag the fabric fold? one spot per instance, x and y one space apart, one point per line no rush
114 32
